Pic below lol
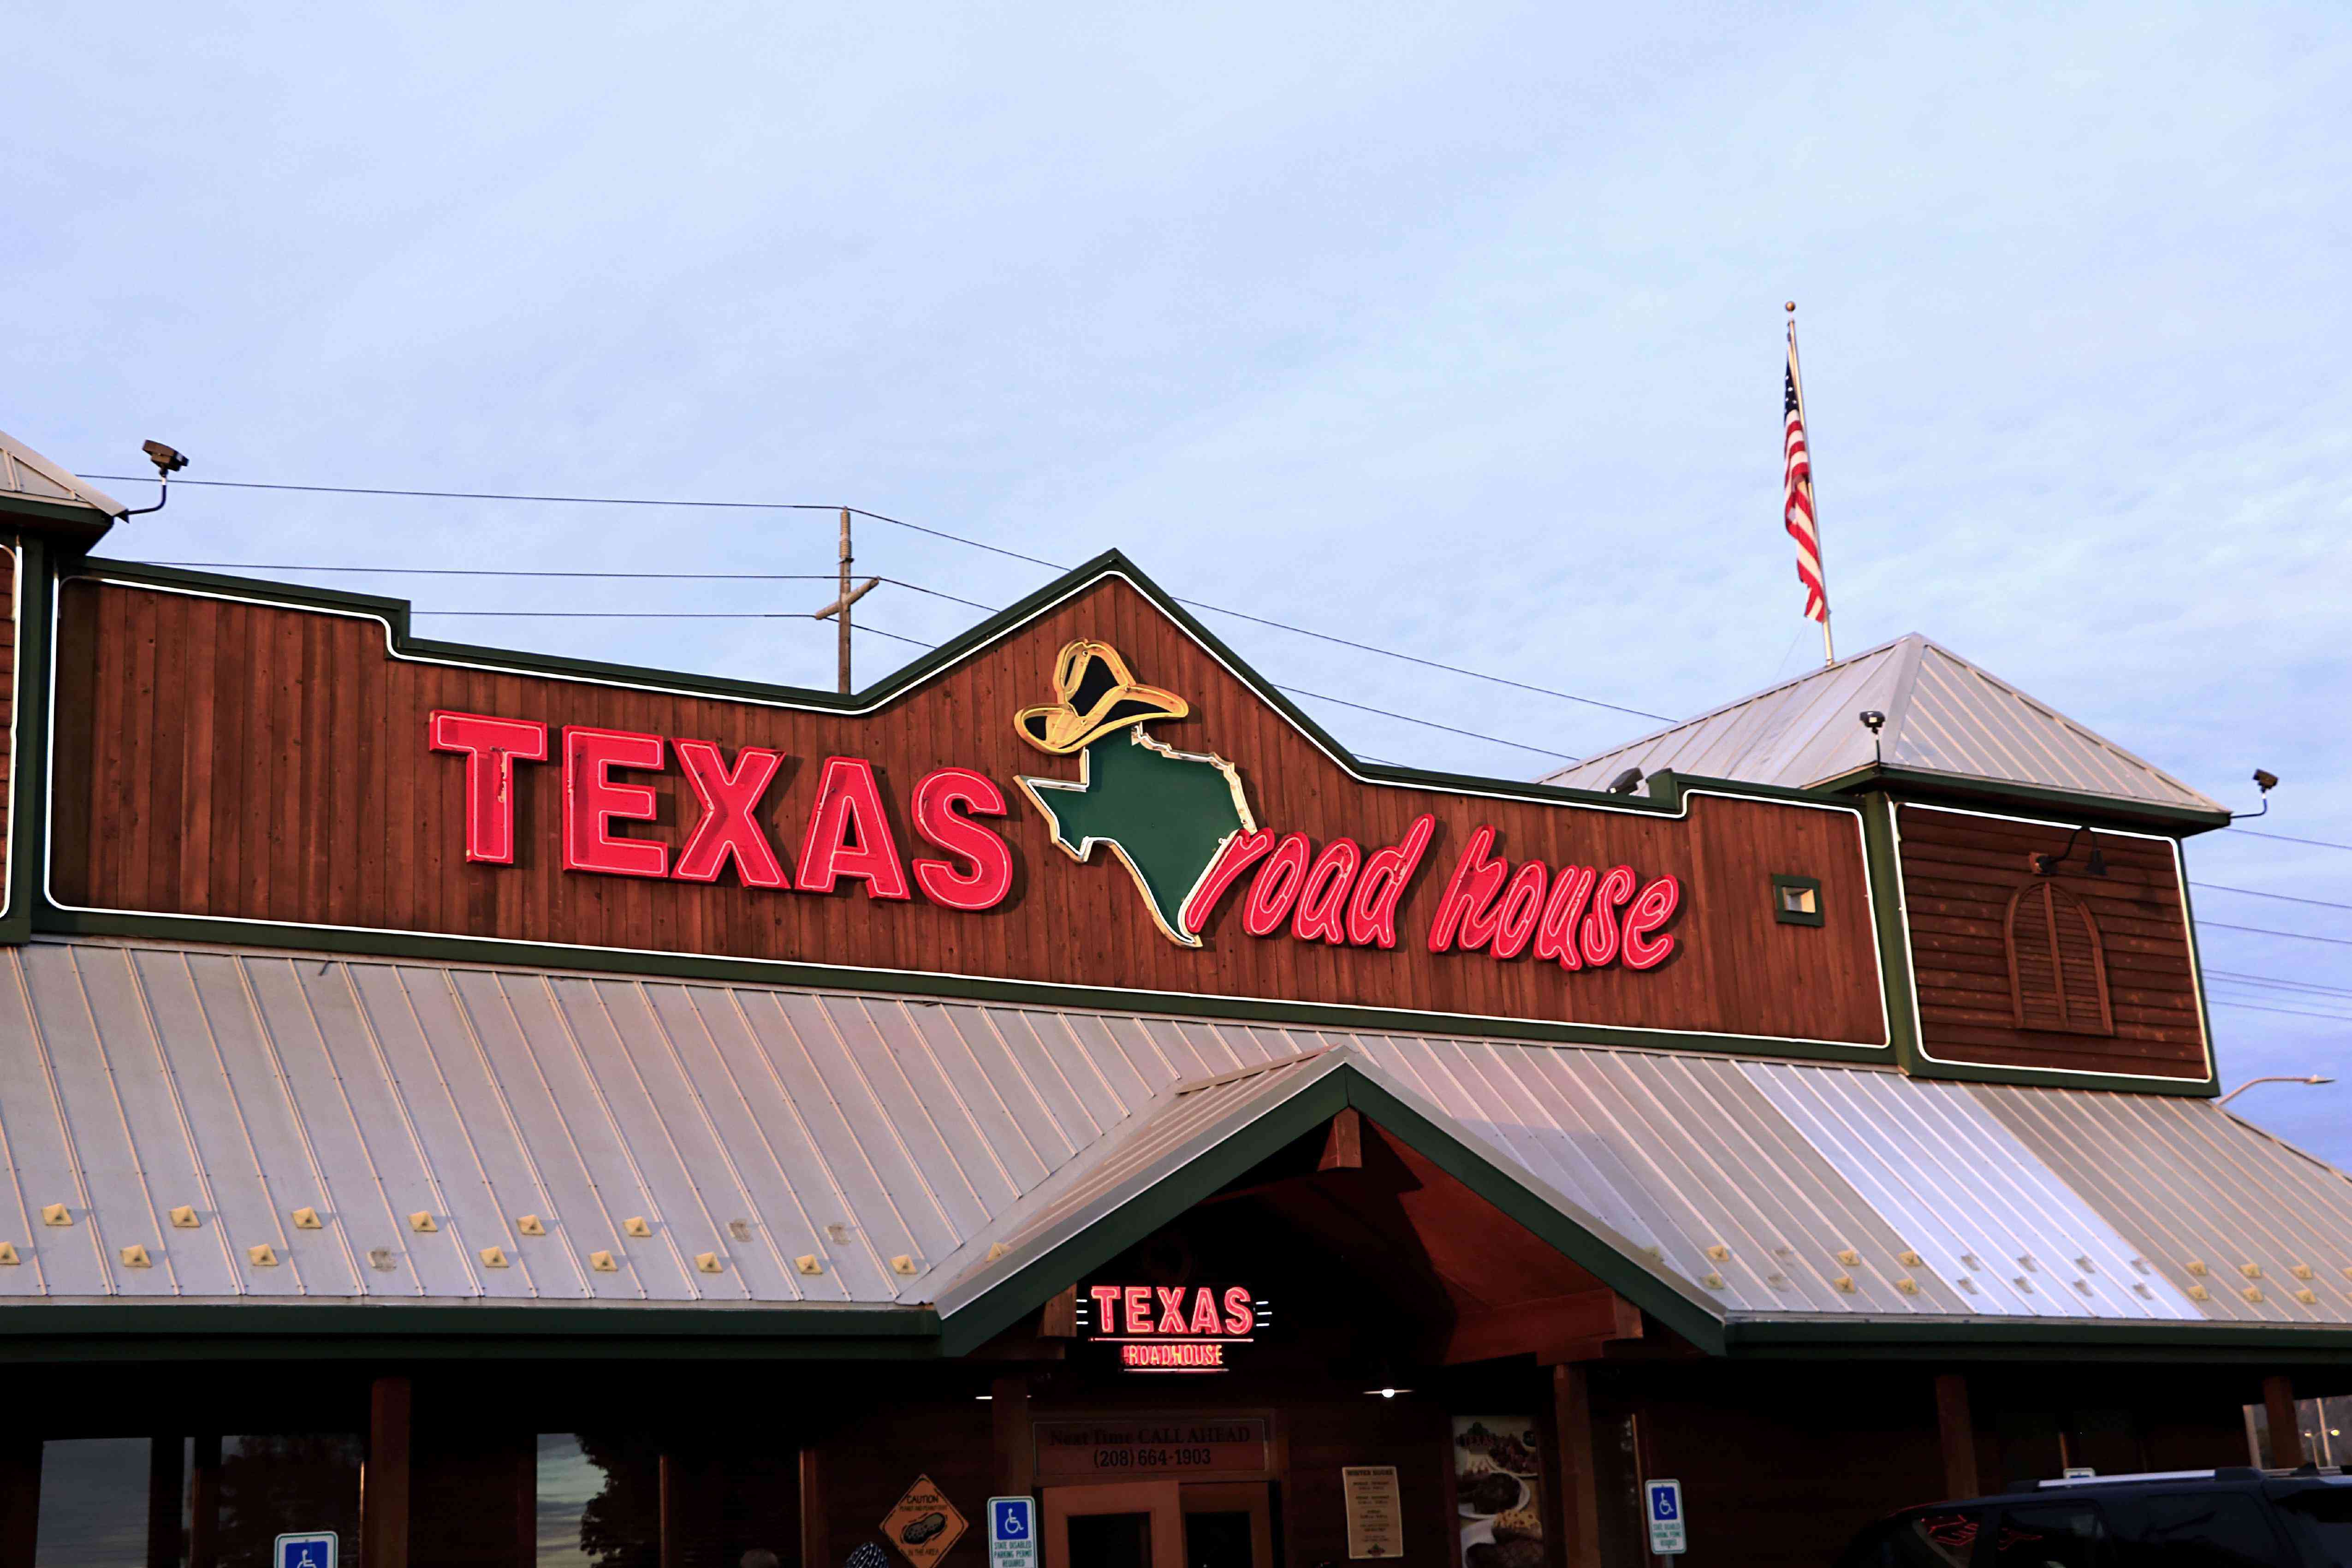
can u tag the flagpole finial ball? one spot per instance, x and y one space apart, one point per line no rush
1790 307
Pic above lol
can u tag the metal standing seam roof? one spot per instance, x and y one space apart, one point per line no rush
421 1110
1943 714
26 473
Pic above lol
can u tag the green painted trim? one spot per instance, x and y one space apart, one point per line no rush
83 526
1028 1288
49 921
686 1320
1920 783
1894 928
342 1331
29 817
2193 1340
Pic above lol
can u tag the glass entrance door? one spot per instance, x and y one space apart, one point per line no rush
1160 1524
1128 1524
1228 1524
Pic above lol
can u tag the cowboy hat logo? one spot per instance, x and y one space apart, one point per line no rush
1097 693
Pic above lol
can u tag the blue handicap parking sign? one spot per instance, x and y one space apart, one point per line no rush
1668 1537
1665 1502
305 1549
1012 1532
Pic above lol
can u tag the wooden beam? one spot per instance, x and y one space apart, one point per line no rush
1550 1327
20 1499
1015 1443
166 1481
1957 1434
1580 1482
1343 1147
2287 1427
383 1479
203 1505
816 1544
1059 1321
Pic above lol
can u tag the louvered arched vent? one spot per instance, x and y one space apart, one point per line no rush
2057 964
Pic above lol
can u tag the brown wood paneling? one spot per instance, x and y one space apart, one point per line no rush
265 762
1959 870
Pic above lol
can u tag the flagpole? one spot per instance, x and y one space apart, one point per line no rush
1812 486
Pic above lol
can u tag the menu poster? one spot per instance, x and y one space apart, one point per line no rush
1375 1522
1498 1490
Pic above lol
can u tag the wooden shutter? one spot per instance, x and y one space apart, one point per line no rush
2057 964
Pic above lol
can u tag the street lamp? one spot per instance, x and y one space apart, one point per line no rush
2274 1078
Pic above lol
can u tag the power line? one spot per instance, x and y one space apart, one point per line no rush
1318 696
2287 838
2290 1011
2265 930
895 522
2272 982
863 626
663 615
2258 893
774 616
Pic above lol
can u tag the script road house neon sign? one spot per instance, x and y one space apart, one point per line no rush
1172 1328
1179 823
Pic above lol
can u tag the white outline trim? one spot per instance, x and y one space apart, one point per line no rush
2196 962
1682 812
15 707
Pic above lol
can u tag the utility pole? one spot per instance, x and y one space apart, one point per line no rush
849 595
845 601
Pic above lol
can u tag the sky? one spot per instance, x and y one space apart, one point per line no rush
1452 329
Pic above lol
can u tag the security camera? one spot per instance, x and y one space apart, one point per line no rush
2265 780
165 459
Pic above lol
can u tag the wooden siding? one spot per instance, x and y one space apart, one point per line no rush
230 759
1959 871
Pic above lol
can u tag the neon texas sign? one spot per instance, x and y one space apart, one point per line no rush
1578 917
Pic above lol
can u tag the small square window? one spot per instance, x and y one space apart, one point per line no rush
1797 900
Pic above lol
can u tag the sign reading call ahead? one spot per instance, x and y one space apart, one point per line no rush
1092 800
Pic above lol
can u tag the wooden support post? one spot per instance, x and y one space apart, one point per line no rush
672 1517
1058 1320
527 1502
166 1481
816 1549
1343 1147
1016 1444
1580 1484
2287 1427
1957 1434
383 1479
20 1499
203 1503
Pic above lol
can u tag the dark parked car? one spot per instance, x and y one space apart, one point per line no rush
2186 1519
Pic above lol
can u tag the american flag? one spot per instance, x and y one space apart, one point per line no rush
1797 490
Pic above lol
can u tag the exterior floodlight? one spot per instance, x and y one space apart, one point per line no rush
168 461
1624 782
